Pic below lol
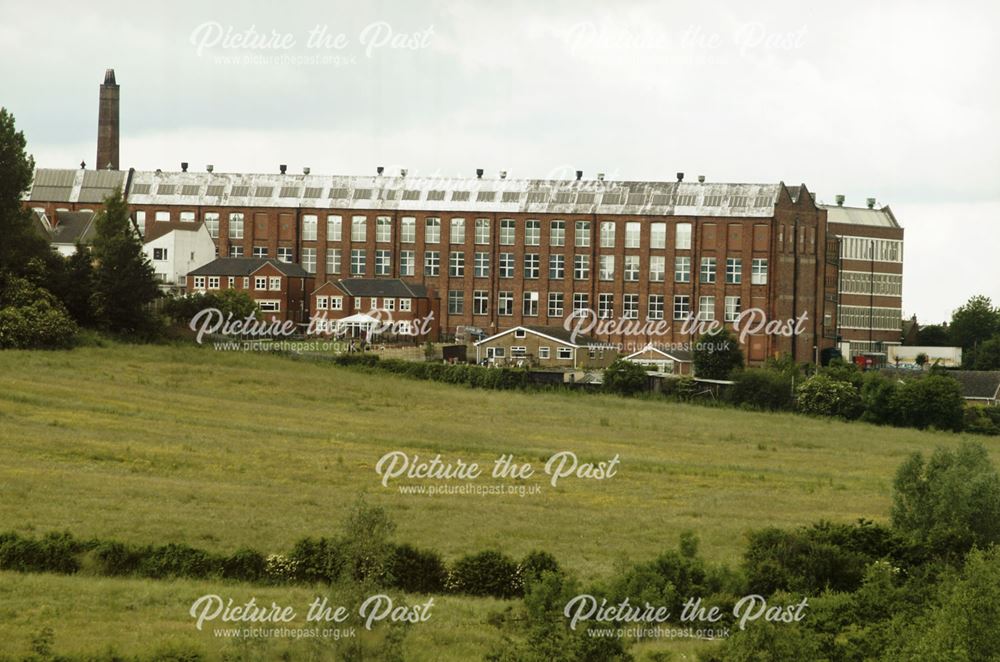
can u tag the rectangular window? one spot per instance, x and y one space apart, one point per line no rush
732 308
505 303
309 260
557 233
481 265
630 306
657 268
162 216
654 307
456 264
543 352
432 230
480 302
658 235
632 231
531 265
246 282
564 354
532 233
506 232
682 306
333 260
260 282
407 263
269 305
707 273
389 303
199 282
683 239
213 282
284 253
383 263
235 251
260 251
734 270
555 304
758 275
358 262
706 308
432 263
581 238
383 229
359 228
581 301
336 303
631 267
322 302
529 306
309 226
506 266
606 267
235 225
605 305
274 283
482 231
231 281
456 302
607 234
581 267
457 234
408 229
212 224
334 227
159 253
405 305
557 266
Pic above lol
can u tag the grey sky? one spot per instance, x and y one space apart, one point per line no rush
896 100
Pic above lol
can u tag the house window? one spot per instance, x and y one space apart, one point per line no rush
607 234
432 230
530 304
309 260
269 306
310 222
682 306
520 333
457 234
706 308
564 354
581 267
383 263
374 304
631 267
506 266
334 227
480 302
732 309
654 307
683 239
359 228
260 251
505 303
235 225
734 270
555 304
482 230
159 253
518 352
557 233
212 224
235 251
333 260
162 216
187 217
336 303
682 269
246 282
274 283
408 229
657 235
389 303
213 282
432 263
607 267
284 254
630 306
506 231
407 263
707 274
260 282
358 259
406 305
557 266
657 268
581 237
532 233
322 303
581 301
481 265
456 302
632 235
456 264
383 229
758 275
605 305
531 265
231 281
543 352
199 282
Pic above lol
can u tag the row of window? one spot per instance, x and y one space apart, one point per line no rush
262 283
865 317
866 282
866 248
520 352
556 303
324 302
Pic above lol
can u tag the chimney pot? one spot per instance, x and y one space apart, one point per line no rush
306 170
210 167
871 203
283 168
680 176
479 173
379 170
83 164
840 200
701 179
503 174
184 166
402 172
579 175
600 176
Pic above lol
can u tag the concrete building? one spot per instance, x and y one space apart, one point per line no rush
178 252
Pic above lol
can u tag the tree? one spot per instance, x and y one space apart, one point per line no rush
23 252
987 355
951 501
934 335
931 401
31 317
124 282
974 322
824 396
922 360
625 378
717 355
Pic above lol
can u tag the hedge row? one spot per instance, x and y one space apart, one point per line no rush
312 560
468 375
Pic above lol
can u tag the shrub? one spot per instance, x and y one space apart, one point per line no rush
535 564
245 565
840 370
878 397
761 388
55 552
489 573
177 560
625 378
821 395
935 400
981 420
116 559
717 355
33 318
417 570
366 549
317 560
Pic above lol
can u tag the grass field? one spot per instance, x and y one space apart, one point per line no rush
155 444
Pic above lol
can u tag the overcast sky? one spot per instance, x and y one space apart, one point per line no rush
894 100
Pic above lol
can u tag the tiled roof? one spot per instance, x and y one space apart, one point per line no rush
978 383
382 287
244 266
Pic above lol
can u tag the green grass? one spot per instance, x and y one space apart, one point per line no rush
155 444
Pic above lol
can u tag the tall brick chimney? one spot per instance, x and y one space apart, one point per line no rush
107 123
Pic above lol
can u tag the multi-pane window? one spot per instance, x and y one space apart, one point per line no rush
309 260
432 263
457 233
864 248
481 265
506 265
432 230
631 267
657 235
555 304
866 282
581 301
532 233
557 266
407 263
605 305
358 262
211 224
213 282
654 307
336 303
581 237
505 303
758 273
406 304
260 282
322 302
187 217
864 317
531 265
707 273
506 232
334 227
632 230
630 306
274 283
683 239
456 302
733 309
456 264
607 234
383 263
383 229
529 304
682 306
706 308
359 228
159 254
407 229
260 251
333 260
236 225
557 233
309 226
235 251
581 267
606 270
734 270
482 230
480 302
657 268
285 253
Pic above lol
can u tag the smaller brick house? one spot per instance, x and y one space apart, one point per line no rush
279 288
400 309
666 361
543 347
